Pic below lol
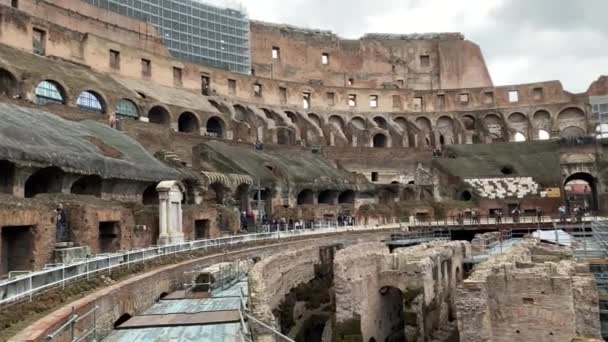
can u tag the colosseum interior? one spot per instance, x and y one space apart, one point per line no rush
356 190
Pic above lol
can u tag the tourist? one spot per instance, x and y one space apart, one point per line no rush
515 214
498 214
474 218
562 213
60 224
539 215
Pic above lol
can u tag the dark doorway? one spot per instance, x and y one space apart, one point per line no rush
581 191
88 185
47 180
150 195
380 140
8 83
109 237
306 197
159 115
7 176
215 127
188 123
16 248
392 322
201 229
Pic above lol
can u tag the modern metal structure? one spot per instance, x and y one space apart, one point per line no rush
194 30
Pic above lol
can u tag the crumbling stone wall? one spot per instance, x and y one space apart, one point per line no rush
422 279
518 296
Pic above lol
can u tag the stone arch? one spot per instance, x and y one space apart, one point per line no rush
150 195
292 116
347 197
402 123
581 197
217 192
519 137
126 108
306 196
337 120
122 319
541 121
519 126
50 91
494 127
315 119
215 127
390 319
517 117
243 114
7 176
241 195
381 122
571 132
380 140
445 127
188 123
571 116
358 122
47 180
8 83
285 136
159 115
87 185
327 197
92 101
469 122
424 124
543 135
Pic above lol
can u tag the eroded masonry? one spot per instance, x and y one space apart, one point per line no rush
120 132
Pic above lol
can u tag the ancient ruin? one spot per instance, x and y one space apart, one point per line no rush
359 175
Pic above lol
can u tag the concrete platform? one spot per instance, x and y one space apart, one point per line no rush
181 319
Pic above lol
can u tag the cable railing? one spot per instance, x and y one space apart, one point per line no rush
23 284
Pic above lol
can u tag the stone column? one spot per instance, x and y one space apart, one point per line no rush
170 212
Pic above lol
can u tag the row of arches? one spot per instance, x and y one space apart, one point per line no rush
307 197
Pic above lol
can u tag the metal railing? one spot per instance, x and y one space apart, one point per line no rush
493 220
71 325
23 284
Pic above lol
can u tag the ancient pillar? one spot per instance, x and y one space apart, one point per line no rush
170 194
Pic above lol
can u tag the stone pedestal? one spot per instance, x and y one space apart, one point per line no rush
64 253
170 194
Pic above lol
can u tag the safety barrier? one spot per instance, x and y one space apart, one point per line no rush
23 284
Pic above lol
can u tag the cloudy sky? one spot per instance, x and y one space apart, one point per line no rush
522 40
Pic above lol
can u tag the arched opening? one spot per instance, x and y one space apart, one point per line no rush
292 116
327 197
217 193
87 185
519 137
424 125
494 127
215 127
50 92
543 135
127 109
445 126
285 136
305 197
264 195
242 196
581 192
379 140
571 116
389 324
246 115
506 170
7 176
358 122
162 296
188 123
47 180
122 319
220 107
315 119
402 123
336 121
469 122
90 100
8 83
571 132
159 115
517 118
150 195
347 197
465 196
381 122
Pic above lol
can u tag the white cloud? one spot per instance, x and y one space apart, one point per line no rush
522 40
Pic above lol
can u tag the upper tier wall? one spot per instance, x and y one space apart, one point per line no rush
419 62
85 42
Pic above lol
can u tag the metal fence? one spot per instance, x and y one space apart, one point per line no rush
24 284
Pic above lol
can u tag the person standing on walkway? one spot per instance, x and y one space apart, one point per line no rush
61 224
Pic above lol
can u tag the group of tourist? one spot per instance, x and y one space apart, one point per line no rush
575 215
